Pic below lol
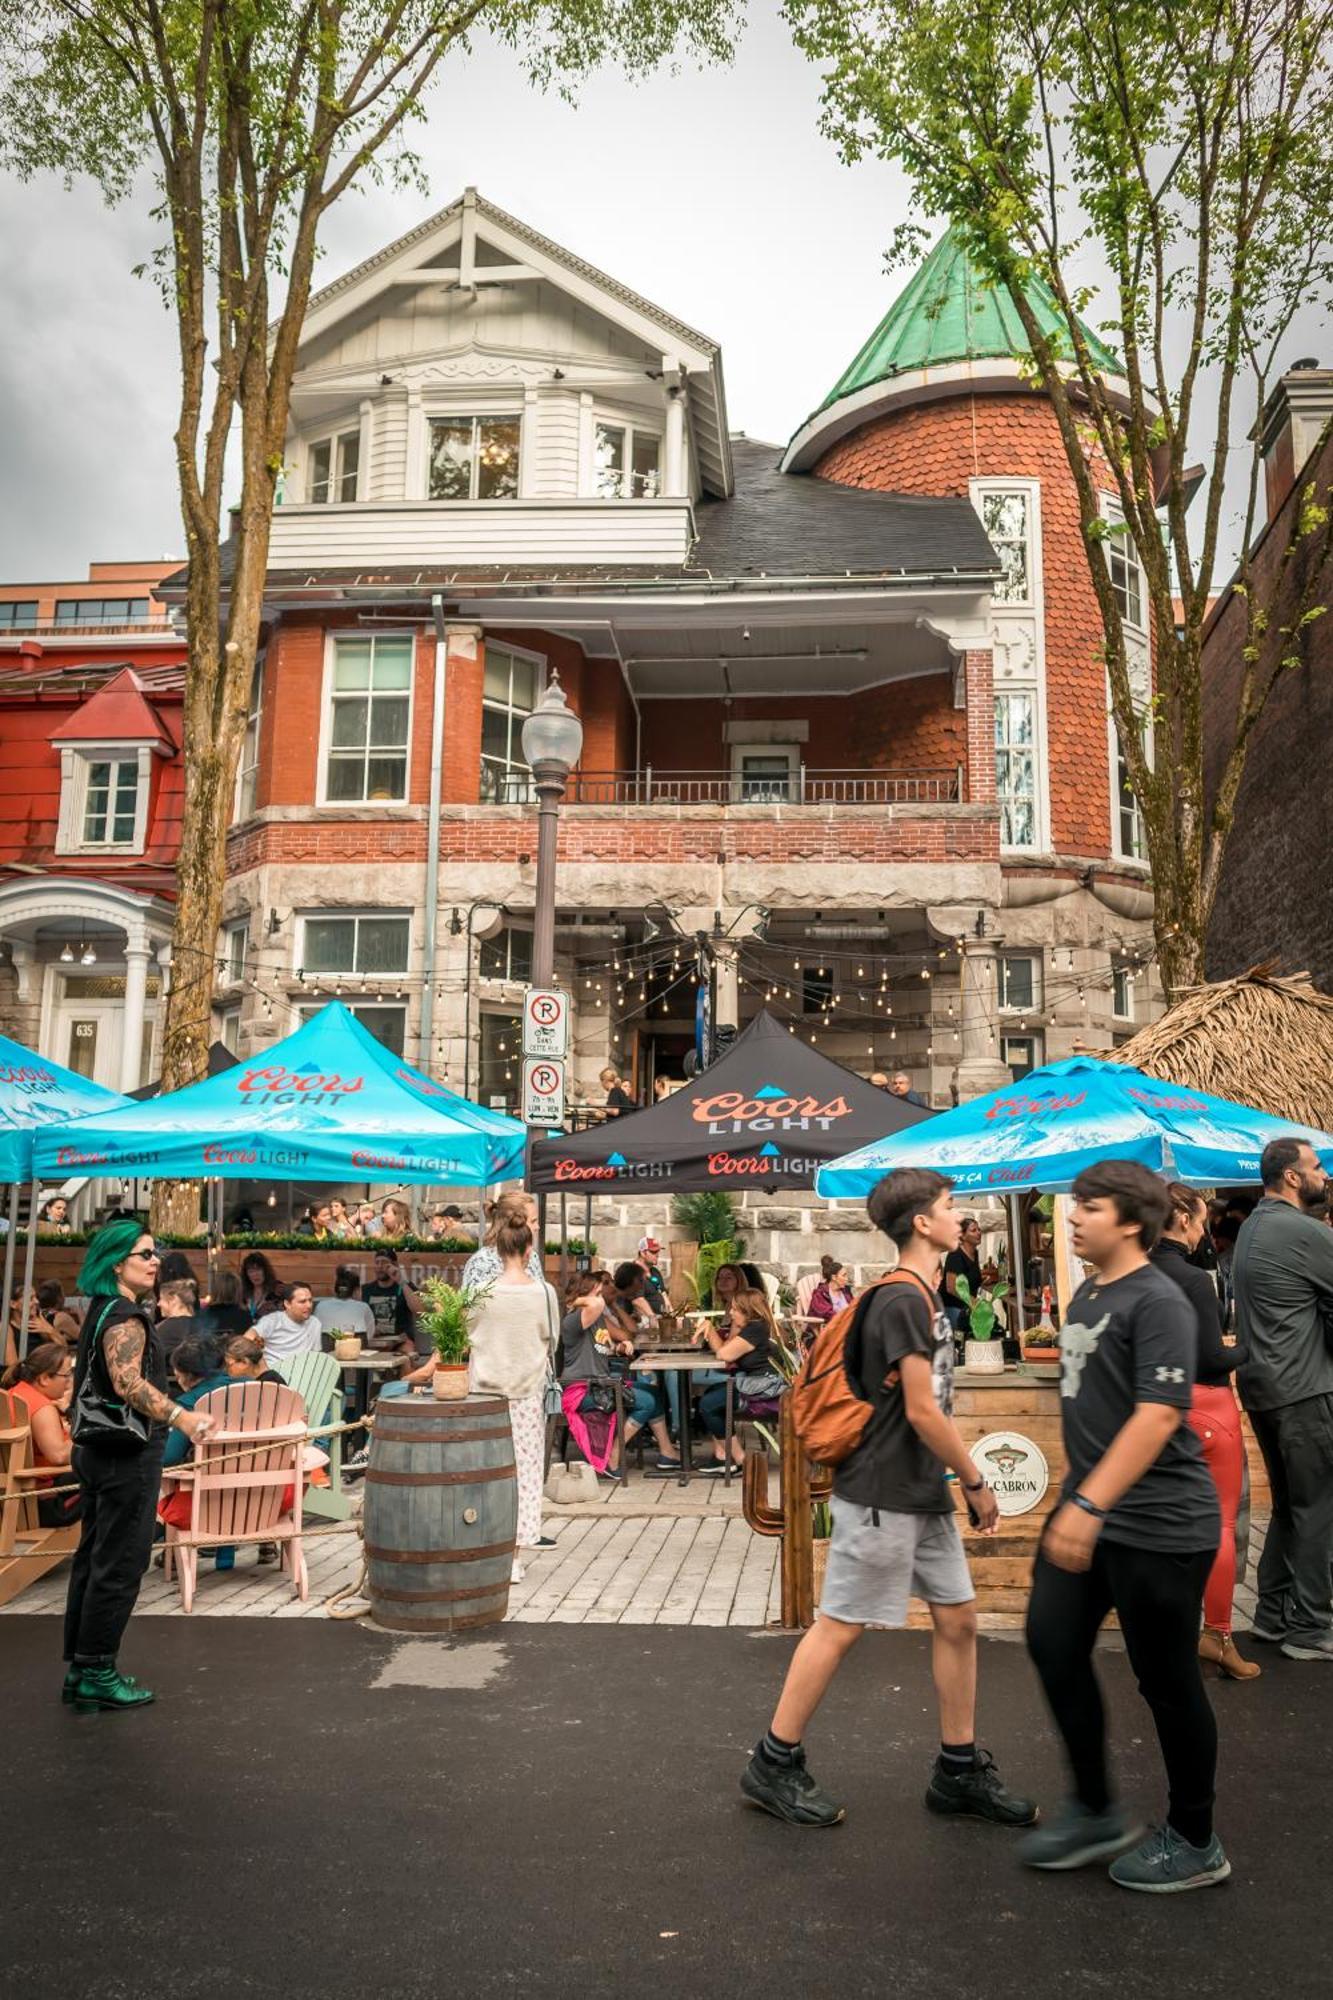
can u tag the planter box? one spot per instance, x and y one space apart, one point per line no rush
312 1267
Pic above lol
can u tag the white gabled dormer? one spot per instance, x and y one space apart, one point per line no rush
477 394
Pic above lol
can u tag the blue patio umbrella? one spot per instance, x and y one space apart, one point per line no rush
329 1103
1042 1132
36 1095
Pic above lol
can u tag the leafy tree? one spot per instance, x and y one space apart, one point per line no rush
1181 147
251 118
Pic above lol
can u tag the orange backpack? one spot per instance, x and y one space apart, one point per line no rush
828 1412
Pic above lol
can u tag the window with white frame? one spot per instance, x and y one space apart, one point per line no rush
1022 1054
1019 983
1130 840
332 944
235 950
229 1030
511 686
1122 560
370 702
1006 516
387 1024
764 773
1016 768
507 955
501 1037
1122 992
104 799
333 468
627 462
474 458
247 772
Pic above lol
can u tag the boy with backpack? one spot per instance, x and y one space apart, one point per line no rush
875 1398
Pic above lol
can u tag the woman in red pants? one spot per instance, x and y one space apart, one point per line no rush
1214 1419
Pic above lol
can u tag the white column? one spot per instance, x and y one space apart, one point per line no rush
728 985
979 1068
137 952
674 470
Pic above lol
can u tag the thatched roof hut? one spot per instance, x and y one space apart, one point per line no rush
1257 1040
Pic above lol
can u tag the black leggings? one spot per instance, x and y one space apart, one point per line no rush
1159 1598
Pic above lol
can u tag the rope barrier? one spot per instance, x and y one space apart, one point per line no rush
38 1491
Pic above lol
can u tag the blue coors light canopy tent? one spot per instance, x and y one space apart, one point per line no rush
36 1094
329 1103
1042 1132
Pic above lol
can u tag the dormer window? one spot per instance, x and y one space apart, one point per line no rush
474 458
628 463
333 467
103 799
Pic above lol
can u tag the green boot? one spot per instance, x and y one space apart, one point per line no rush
102 1687
71 1682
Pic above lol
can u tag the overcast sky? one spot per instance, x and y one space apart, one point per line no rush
713 193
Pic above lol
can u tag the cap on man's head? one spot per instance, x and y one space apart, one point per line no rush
651 1244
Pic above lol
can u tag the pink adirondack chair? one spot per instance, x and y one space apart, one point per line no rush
240 1477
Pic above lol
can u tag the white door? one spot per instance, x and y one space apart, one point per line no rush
90 1028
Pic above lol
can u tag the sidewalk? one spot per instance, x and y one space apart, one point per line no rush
651 1553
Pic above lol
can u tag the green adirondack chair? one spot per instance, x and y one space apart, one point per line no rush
317 1379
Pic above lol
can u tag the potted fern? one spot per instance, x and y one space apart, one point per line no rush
983 1351
447 1318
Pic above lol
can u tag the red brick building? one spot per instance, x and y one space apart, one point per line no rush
1273 901
91 784
844 720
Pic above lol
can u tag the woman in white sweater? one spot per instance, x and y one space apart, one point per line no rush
513 1337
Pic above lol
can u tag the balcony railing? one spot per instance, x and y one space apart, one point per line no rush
800 786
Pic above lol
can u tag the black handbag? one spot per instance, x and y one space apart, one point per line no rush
105 1423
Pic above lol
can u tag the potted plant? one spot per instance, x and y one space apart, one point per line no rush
983 1352
346 1346
1042 1342
447 1318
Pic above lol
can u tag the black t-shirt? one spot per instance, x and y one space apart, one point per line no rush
1134 1341
891 1468
221 1322
176 1328
619 1100
757 1332
392 1314
960 1264
1214 1362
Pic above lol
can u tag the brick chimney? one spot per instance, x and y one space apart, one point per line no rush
1293 417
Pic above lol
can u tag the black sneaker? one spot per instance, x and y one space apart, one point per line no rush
977 1794
788 1792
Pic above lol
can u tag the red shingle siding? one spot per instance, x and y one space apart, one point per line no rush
938 448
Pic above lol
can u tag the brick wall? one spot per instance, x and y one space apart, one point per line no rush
907 725
938 448
1273 897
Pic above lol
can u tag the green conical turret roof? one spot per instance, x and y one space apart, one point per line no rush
948 313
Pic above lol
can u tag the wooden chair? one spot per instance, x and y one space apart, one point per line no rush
317 1380
806 1288
27 1549
239 1477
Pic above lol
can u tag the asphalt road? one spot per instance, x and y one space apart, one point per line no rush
325 1810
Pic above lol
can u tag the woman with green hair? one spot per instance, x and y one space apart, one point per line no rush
119 1422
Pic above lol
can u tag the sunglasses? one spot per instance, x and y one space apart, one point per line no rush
151 1256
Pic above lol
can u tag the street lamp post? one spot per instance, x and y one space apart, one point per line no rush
552 740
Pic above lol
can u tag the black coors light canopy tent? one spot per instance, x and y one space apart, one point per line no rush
765 1115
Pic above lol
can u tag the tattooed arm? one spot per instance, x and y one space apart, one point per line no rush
123 1346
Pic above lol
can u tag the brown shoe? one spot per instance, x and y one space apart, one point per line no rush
1220 1649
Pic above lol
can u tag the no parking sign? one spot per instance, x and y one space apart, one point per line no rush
543 1092
546 1022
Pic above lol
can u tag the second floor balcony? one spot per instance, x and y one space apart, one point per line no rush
782 784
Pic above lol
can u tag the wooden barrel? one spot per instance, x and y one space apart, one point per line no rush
441 1512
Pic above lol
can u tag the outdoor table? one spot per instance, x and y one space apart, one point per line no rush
361 1370
695 1361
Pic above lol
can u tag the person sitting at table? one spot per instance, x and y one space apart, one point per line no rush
199 1367
245 1359
345 1311
833 1292
224 1314
53 1216
392 1306
293 1329
395 1219
729 1279
261 1288
51 1304
177 1314
587 1340
629 1306
483 1266
745 1347
44 1383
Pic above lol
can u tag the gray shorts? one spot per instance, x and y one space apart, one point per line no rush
872 1571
